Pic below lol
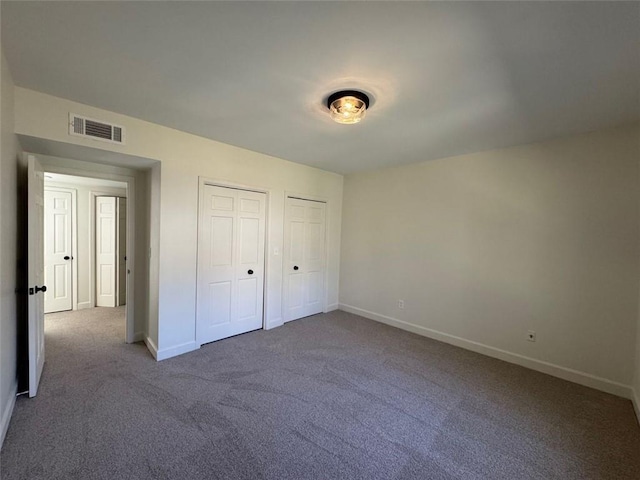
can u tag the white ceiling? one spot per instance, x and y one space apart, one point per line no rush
446 78
74 180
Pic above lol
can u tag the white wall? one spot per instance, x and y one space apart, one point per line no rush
84 227
8 249
184 158
486 246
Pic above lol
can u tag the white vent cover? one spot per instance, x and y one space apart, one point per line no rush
88 127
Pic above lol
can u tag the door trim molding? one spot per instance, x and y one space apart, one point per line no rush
268 263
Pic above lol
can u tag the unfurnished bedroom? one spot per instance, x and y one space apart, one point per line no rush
320 240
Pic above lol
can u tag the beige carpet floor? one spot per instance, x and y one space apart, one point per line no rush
333 396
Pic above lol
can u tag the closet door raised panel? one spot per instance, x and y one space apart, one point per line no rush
294 254
314 257
250 271
230 263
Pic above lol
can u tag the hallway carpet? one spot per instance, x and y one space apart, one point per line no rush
334 396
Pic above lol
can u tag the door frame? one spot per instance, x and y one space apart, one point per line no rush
119 252
325 280
74 238
207 181
131 214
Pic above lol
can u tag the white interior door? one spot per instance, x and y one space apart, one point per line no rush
35 244
122 251
57 251
231 238
106 262
304 258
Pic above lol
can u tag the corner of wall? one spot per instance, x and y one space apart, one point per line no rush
9 248
7 412
153 218
152 347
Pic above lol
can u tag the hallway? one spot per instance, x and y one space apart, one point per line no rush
84 351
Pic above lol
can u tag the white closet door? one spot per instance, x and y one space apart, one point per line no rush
231 238
106 262
57 251
122 251
304 253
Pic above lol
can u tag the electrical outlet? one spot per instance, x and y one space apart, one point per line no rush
531 336
401 304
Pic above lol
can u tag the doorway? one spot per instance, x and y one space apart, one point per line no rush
85 242
140 185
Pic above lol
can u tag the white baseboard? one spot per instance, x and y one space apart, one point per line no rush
569 374
176 350
138 337
273 323
635 399
152 347
7 412
332 307
84 305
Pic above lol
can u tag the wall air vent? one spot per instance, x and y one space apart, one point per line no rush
97 130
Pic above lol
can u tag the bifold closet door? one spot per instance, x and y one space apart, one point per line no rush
106 251
230 284
304 258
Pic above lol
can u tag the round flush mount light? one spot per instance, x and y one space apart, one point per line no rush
348 106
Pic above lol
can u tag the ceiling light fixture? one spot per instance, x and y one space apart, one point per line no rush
348 106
